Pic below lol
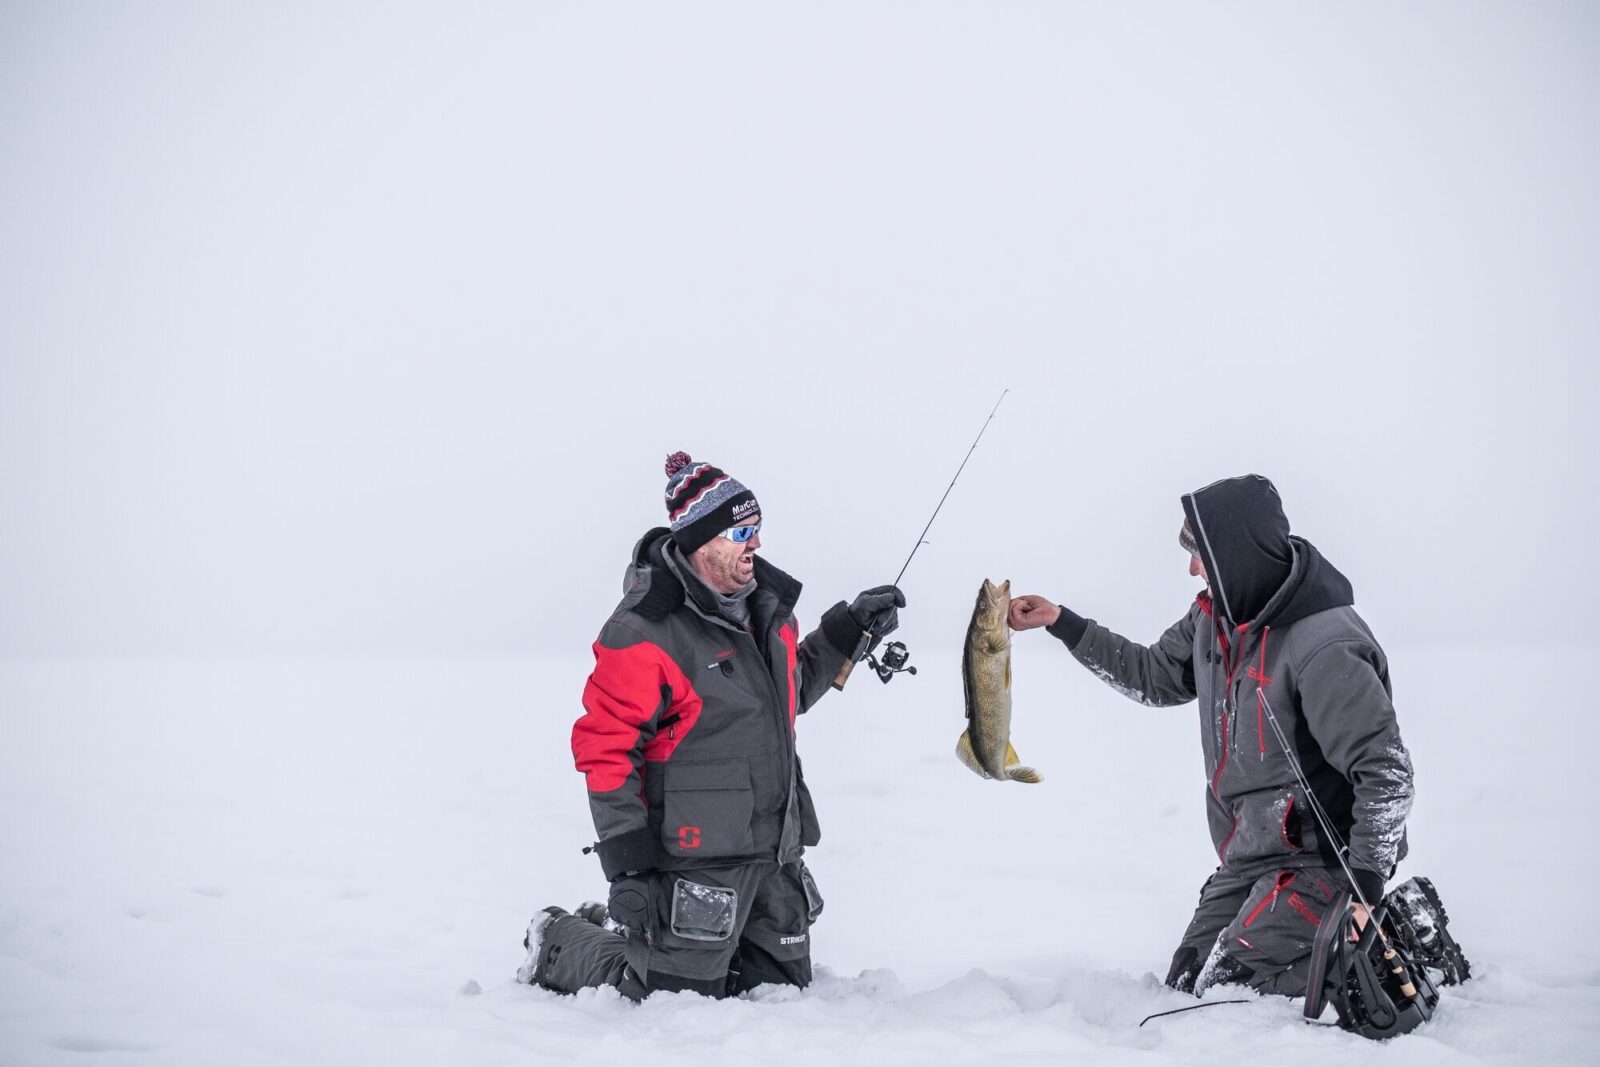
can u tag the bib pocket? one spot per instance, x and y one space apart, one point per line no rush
703 912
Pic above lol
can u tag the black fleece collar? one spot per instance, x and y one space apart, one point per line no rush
664 593
1314 585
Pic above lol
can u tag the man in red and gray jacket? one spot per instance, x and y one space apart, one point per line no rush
1279 660
687 743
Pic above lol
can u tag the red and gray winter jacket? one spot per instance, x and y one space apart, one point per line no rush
687 738
1278 637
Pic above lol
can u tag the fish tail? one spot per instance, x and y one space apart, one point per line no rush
1015 771
966 755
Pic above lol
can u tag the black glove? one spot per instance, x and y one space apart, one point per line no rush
1369 884
629 903
877 610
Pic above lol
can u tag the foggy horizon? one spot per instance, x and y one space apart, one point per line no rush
364 331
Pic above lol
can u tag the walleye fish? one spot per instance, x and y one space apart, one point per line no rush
985 745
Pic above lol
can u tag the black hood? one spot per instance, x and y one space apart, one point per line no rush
1258 571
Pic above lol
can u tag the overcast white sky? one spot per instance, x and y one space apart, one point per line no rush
364 329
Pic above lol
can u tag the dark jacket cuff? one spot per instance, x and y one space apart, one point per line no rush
1370 883
632 851
840 629
1069 628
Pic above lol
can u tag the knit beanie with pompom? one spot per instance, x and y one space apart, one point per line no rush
702 501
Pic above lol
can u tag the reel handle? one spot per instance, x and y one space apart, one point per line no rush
844 673
850 664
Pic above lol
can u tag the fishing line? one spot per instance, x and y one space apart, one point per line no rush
1311 797
1192 1007
1400 966
952 485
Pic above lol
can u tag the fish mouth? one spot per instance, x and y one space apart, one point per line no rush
995 596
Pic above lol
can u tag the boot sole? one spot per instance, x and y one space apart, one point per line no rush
1457 969
539 927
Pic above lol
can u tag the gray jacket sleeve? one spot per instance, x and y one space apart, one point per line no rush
1157 676
1347 708
820 656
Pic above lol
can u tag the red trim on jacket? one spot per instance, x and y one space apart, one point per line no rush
606 735
1284 881
1261 680
1283 826
791 650
1222 849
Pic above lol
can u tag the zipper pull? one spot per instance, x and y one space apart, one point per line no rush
1283 882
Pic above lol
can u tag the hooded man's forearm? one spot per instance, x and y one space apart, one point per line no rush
1158 675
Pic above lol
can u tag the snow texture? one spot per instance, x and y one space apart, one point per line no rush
305 864
1387 814
1208 970
1116 686
1419 912
341 348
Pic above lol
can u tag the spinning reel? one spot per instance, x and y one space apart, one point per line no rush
896 660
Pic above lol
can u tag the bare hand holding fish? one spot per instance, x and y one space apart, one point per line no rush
1030 612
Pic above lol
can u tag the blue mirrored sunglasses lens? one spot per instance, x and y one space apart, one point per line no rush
741 534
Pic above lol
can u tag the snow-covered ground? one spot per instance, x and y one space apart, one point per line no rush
331 863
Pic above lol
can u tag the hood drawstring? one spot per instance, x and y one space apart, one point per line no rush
1261 700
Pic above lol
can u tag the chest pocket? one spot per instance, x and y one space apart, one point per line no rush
707 808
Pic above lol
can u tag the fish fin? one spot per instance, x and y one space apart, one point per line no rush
1008 675
966 755
1018 773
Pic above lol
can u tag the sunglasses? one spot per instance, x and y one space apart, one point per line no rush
740 534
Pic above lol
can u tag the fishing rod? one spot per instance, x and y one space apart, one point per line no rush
1324 821
896 659
1373 1014
1192 1007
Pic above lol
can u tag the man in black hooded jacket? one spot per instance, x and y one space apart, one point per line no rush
1277 656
